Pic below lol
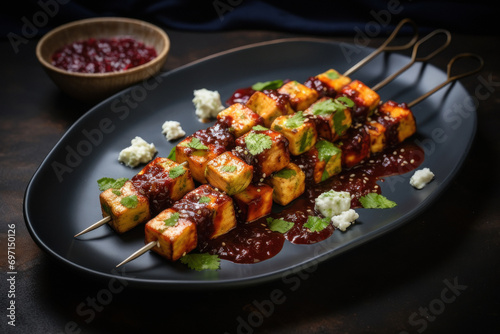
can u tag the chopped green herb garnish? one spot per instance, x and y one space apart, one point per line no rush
316 224
171 155
326 150
195 143
108 182
259 128
176 171
275 84
338 123
376 201
202 261
332 106
286 173
295 121
129 202
258 142
172 220
204 199
306 140
279 225
116 192
332 75
228 169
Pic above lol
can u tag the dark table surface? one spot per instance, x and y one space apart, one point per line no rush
439 273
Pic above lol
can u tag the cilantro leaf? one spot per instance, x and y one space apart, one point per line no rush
116 192
326 150
376 201
347 101
332 74
129 202
108 182
228 168
176 171
316 224
195 143
204 199
275 84
295 121
172 220
257 142
260 128
286 173
171 155
201 261
279 225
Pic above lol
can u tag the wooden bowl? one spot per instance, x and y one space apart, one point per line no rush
94 87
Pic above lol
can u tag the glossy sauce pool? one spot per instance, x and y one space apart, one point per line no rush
254 242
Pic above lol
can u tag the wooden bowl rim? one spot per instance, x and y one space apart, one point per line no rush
161 56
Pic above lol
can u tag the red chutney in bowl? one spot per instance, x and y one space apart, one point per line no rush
103 55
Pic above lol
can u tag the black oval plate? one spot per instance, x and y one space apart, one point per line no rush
62 197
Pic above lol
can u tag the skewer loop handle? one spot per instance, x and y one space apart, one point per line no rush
385 46
451 78
414 55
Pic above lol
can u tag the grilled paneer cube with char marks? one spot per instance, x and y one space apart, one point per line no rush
228 173
269 104
163 182
240 119
176 236
300 96
331 117
126 206
203 146
398 121
300 131
254 202
365 99
321 162
334 79
266 150
288 184
211 210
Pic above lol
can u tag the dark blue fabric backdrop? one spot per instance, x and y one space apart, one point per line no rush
304 16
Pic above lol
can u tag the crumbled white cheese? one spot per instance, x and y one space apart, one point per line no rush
332 203
345 219
207 103
421 177
139 152
172 130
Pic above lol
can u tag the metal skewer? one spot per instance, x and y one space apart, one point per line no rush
385 46
139 252
419 59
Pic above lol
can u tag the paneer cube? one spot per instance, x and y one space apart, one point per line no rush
377 136
269 106
355 146
254 202
321 162
333 79
288 184
398 121
176 236
365 99
240 119
300 96
331 117
228 173
265 150
126 206
211 210
203 146
163 181
299 130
